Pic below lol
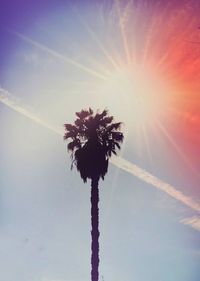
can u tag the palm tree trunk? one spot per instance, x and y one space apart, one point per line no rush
95 229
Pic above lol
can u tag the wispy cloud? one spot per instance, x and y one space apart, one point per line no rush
36 60
12 102
193 222
32 59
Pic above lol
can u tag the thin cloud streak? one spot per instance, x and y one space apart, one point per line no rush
156 182
9 100
12 102
193 222
58 55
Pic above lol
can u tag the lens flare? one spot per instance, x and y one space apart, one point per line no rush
135 91
140 59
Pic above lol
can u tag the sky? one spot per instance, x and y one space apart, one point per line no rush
140 60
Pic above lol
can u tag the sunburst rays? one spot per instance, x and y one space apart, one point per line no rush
157 39
164 49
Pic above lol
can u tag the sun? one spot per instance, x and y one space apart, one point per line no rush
137 95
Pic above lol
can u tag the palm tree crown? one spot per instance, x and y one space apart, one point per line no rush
93 139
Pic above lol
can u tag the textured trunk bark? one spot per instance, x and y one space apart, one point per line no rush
95 229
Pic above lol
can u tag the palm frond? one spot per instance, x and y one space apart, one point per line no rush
69 127
106 120
114 127
76 144
117 136
100 116
84 113
117 145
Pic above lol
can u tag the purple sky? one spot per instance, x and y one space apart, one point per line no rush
44 222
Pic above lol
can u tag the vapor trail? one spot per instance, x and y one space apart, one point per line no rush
58 55
156 182
12 102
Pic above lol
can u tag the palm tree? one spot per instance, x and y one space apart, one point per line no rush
93 139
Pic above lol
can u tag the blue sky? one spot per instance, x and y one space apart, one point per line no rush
56 58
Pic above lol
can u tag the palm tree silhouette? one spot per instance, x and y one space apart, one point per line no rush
93 139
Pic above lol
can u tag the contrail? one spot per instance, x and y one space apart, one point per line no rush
58 55
12 102
156 182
